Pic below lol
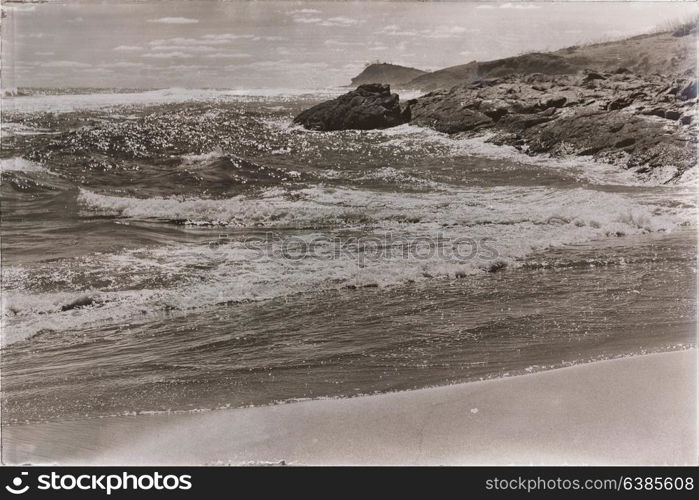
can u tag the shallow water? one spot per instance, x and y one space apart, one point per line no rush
206 253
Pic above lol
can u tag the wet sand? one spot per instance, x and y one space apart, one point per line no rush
639 410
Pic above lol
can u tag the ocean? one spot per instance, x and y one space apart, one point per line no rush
190 250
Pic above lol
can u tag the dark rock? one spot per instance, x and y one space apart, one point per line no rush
493 109
451 113
497 266
686 29
526 107
453 121
690 91
592 75
554 102
686 119
616 127
523 122
673 114
507 138
590 151
619 103
370 106
655 112
405 109
624 143
77 303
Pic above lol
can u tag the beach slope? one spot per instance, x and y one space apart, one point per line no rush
638 410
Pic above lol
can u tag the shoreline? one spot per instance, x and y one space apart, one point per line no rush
639 410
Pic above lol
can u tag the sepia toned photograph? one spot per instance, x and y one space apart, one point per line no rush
290 233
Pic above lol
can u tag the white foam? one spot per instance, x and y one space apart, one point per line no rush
177 278
10 129
318 205
18 164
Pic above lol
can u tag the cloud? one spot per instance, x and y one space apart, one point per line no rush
440 31
443 31
523 6
203 43
394 30
273 38
510 5
378 47
262 65
195 49
307 20
309 16
174 20
356 64
210 45
311 65
226 36
282 66
218 55
179 67
339 21
182 42
304 11
44 53
125 65
127 48
167 55
98 70
65 64
341 43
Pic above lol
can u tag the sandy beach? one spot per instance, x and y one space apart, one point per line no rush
639 410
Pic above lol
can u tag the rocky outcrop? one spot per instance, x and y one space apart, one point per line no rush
391 74
635 121
640 122
634 105
370 106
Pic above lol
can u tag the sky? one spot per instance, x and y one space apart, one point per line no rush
290 44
